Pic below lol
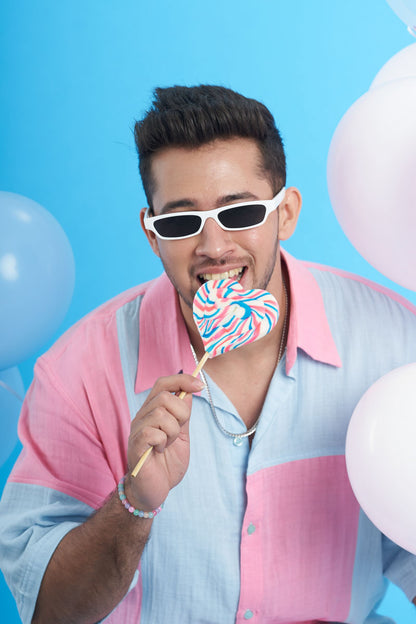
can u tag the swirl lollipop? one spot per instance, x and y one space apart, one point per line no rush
228 316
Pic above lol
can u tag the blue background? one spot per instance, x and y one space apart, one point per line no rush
75 74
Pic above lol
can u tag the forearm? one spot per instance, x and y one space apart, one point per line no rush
92 568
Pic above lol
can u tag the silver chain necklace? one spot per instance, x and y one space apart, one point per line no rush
238 437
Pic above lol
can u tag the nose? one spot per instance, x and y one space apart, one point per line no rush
213 241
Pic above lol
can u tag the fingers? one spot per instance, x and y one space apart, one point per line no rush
163 415
176 384
162 424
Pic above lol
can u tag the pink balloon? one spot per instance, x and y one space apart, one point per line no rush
372 178
381 457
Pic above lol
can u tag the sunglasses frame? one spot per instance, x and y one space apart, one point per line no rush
269 204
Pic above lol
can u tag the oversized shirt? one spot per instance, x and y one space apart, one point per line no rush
267 534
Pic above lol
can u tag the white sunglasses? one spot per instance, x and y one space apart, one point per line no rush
244 216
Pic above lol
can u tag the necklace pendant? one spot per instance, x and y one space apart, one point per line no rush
238 440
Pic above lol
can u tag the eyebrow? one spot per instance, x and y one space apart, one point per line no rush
179 203
221 201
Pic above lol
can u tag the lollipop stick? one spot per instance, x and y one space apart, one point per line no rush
141 461
146 454
196 371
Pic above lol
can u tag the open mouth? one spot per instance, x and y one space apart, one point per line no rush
235 274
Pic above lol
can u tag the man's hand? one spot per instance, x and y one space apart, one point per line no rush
93 565
162 422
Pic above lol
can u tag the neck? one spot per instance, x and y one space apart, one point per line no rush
244 374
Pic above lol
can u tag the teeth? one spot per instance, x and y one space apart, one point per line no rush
226 275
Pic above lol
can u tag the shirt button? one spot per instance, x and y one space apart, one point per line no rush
248 614
251 528
238 441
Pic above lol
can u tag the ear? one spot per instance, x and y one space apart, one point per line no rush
151 236
289 211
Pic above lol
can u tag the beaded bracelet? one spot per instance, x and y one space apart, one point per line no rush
136 512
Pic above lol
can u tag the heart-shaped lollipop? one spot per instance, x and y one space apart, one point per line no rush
228 316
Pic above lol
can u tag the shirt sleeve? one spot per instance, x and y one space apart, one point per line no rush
33 520
64 472
62 441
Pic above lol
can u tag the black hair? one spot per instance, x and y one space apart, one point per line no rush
193 116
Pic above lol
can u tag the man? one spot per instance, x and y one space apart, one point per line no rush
259 521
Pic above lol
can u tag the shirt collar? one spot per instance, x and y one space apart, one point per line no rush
309 328
164 347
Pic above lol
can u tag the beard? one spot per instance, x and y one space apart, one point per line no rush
262 282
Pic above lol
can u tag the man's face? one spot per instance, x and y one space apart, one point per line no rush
220 173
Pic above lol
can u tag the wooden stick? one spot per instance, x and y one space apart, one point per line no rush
141 461
146 454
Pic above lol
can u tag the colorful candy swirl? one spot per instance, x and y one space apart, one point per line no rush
228 316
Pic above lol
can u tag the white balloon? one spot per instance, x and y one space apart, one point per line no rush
372 178
406 10
381 457
401 65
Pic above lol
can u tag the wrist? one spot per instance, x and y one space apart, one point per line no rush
135 500
128 501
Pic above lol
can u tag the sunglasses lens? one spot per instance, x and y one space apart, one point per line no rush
242 216
238 218
178 226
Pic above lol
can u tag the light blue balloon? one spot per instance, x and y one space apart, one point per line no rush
11 396
37 276
406 10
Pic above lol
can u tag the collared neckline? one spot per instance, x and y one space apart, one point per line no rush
309 328
164 347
